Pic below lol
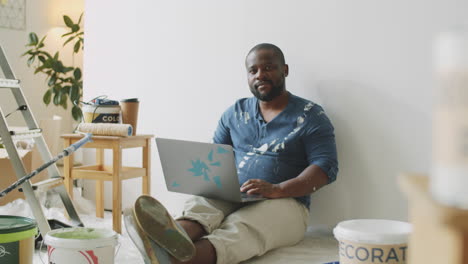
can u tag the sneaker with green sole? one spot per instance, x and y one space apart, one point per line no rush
156 222
150 251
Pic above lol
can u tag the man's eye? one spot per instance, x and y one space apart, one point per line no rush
252 71
268 68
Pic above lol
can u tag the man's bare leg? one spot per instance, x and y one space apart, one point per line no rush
193 229
205 251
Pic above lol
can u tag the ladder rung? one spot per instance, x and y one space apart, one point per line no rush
46 184
35 132
24 133
7 83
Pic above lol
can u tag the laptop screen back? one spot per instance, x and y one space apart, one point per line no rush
198 168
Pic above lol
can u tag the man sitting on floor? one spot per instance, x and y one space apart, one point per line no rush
285 150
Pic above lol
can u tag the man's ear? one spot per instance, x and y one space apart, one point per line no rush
286 70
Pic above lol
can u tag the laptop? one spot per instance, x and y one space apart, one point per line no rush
203 169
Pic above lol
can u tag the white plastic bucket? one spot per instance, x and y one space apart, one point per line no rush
102 113
366 241
81 245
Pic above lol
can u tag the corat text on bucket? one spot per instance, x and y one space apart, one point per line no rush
373 254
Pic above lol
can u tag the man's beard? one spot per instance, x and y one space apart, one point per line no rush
276 90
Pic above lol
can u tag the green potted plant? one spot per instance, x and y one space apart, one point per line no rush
64 83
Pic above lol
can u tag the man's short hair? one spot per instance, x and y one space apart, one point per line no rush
269 46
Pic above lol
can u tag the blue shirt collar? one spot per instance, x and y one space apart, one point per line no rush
258 114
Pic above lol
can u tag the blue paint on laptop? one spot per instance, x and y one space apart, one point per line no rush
222 150
184 162
217 164
210 156
217 180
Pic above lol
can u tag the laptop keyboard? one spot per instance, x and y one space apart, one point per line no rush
250 196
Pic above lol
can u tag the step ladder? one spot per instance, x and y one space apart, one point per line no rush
33 131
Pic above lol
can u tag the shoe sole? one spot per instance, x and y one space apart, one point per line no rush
152 217
152 253
138 237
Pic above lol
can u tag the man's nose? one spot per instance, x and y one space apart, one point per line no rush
261 75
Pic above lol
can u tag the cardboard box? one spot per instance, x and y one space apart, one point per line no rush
8 175
440 232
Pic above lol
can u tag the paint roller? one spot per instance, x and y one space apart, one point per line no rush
105 129
66 152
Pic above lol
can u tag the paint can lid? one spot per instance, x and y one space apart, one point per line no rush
130 100
13 224
373 231
81 237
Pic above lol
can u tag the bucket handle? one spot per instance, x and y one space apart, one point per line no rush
40 251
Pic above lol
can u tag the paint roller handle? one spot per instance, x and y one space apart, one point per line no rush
64 153
73 147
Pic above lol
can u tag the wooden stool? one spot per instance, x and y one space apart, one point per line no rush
115 173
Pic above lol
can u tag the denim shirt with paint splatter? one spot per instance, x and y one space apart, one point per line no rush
299 136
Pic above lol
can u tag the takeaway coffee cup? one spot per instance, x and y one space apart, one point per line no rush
130 112
366 241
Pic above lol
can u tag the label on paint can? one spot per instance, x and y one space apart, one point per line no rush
102 114
106 118
9 252
352 252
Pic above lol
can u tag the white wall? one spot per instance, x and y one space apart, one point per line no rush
367 62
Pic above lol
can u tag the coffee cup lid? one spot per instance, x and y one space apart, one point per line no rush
130 100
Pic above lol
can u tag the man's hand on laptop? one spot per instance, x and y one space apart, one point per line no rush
261 187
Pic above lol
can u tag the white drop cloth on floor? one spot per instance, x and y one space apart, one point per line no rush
317 247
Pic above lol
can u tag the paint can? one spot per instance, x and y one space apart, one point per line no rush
101 113
366 241
81 245
17 239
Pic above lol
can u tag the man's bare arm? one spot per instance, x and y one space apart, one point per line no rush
310 180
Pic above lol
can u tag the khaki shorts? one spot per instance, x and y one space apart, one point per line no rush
240 232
